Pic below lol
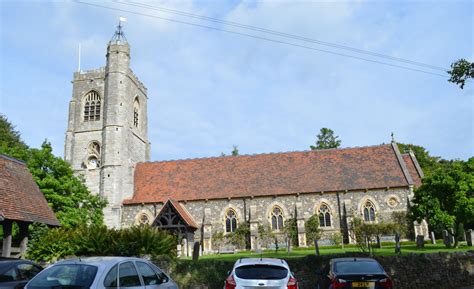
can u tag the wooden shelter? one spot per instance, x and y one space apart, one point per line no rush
21 202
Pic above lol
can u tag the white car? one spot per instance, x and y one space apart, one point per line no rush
101 273
261 273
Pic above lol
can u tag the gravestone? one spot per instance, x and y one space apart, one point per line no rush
420 241
470 237
447 239
378 244
196 251
316 246
398 247
433 238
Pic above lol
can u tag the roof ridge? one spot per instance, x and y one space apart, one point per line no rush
263 154
20 162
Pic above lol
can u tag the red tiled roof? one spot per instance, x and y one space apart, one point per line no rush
20 197
414 168
269 174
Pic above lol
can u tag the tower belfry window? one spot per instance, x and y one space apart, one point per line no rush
92 106
136 112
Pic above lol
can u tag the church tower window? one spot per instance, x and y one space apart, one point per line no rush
324 216
277 219
92 106
230 221
93 160
369 212
136 112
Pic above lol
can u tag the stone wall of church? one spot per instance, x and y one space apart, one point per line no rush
210 215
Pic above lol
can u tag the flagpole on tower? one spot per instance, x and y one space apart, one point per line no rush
79 59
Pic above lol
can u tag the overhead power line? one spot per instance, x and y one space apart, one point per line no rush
260 38
279 33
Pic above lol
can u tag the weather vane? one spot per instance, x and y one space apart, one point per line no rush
393 136
119 35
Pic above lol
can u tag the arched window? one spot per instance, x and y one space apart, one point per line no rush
136 112
369 212
92 106
230 221
277 219
324 216
93 152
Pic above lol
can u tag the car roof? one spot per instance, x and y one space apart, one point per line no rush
99 261
353 259
261 261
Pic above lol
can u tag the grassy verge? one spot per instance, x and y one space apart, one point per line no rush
387 250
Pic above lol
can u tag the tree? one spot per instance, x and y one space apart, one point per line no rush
291 230
235 150
313 232
10 140
446 197
461 71
427 162
65 193
326 140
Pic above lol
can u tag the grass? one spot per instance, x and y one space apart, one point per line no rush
387 250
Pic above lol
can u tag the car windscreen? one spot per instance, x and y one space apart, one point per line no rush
357 267
71 276
261 272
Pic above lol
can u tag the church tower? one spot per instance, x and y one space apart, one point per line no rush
107 131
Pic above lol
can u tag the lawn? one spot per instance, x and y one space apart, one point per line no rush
387 250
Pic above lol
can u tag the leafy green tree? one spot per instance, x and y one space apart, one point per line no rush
235 150
10 140
427 162
446 197
67 195
461 71
326 140
291 230
313 232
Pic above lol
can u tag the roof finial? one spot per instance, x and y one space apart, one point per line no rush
393 137
119 35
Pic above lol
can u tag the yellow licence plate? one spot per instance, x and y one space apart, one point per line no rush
363 284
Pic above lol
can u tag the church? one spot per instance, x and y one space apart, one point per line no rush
107 143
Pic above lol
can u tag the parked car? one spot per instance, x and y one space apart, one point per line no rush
102 272
261 273
15 273
357 273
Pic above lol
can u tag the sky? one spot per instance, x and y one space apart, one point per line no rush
209 90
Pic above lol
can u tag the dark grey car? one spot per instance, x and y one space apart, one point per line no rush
15 273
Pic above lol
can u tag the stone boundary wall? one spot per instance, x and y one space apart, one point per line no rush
421 271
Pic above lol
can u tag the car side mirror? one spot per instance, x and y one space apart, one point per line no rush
228 273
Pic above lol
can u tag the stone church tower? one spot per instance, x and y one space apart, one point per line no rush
107 131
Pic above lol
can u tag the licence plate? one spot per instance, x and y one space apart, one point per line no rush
363 284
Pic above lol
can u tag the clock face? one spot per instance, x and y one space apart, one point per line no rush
93 163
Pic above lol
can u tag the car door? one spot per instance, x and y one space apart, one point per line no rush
18 275
167 282
150 279
123 275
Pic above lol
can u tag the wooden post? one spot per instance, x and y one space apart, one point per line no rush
23 238
7 238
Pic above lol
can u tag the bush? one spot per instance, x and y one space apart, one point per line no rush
98 240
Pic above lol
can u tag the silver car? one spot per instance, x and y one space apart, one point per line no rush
102 272
263 273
